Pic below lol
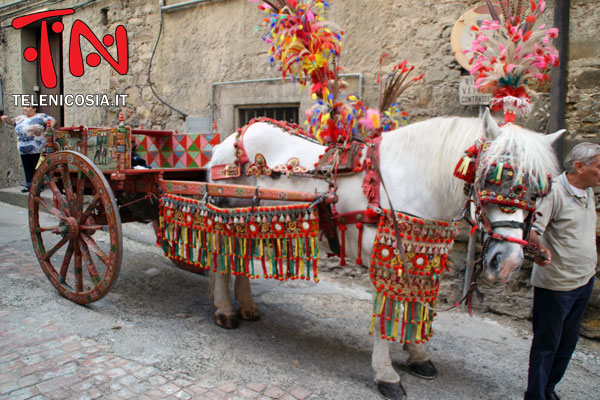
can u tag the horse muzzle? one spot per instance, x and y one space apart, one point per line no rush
502 259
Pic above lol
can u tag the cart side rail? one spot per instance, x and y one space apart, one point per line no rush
240 191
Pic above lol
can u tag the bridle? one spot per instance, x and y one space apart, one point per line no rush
468 169
501 174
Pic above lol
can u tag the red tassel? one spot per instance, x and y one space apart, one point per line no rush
343 247
279 260
359 226
262 261
288 259
382 322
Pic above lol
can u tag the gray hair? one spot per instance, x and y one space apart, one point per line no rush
584 152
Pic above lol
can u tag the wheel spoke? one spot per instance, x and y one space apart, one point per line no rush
80 189
90 209
65 265
52 210
59 199
93 247
78 270
87 258
53 229
55 249
68 187
94 227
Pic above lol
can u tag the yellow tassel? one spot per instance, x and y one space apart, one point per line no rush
464 166
372 325
395 322
381 305
499 169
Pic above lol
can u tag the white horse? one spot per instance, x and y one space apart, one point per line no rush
417 164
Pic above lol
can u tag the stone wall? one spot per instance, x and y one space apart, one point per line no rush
204 46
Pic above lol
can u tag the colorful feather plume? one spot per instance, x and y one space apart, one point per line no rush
305 45
508 52
395 84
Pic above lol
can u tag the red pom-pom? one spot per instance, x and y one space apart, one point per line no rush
370 213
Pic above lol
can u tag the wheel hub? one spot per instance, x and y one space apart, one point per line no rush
72 227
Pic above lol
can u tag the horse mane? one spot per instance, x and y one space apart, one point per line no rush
524 149
440 143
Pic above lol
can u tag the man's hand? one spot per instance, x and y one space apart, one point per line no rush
543 257
541 254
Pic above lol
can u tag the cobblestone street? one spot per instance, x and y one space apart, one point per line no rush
40 360
153 336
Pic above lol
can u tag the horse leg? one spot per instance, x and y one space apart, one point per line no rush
386 377
419 364
243 294
219 291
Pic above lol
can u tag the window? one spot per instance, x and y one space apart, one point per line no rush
287 113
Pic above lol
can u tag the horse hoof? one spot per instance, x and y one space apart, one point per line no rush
226 322
250 314
391 391
423 370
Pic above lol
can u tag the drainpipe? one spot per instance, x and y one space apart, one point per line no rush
14 3
558 91
175 7
260 80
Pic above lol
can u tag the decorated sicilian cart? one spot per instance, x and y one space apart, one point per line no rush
90 181
383 193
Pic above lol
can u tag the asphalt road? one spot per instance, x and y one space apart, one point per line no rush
311 336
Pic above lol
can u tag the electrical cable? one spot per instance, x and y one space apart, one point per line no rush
150 68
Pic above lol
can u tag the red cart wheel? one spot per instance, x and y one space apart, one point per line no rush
79 244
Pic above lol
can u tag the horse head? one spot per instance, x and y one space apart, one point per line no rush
514 168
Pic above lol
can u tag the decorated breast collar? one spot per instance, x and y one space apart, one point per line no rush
406 293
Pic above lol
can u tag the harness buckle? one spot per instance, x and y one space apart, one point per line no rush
376 209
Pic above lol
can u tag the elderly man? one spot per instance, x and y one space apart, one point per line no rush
564 278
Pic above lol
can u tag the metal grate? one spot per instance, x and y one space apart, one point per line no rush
287 113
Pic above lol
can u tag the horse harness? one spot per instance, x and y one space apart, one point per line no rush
340 160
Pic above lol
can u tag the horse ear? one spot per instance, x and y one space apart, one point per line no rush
490 127
553 137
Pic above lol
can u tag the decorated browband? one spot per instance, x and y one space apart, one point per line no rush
510 194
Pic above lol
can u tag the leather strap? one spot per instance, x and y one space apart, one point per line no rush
399 244
353 217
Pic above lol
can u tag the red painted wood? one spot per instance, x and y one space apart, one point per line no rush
79 266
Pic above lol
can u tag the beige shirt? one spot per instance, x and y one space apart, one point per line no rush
567 227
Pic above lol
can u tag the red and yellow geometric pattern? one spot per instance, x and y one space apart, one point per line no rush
179 150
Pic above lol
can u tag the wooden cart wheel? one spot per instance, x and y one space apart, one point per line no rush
79 244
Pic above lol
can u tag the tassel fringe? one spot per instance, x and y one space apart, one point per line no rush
283 238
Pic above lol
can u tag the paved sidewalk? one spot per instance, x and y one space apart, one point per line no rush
44 361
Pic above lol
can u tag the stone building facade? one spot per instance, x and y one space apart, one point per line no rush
210 63
206 62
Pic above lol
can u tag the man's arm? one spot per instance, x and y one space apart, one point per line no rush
541 261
